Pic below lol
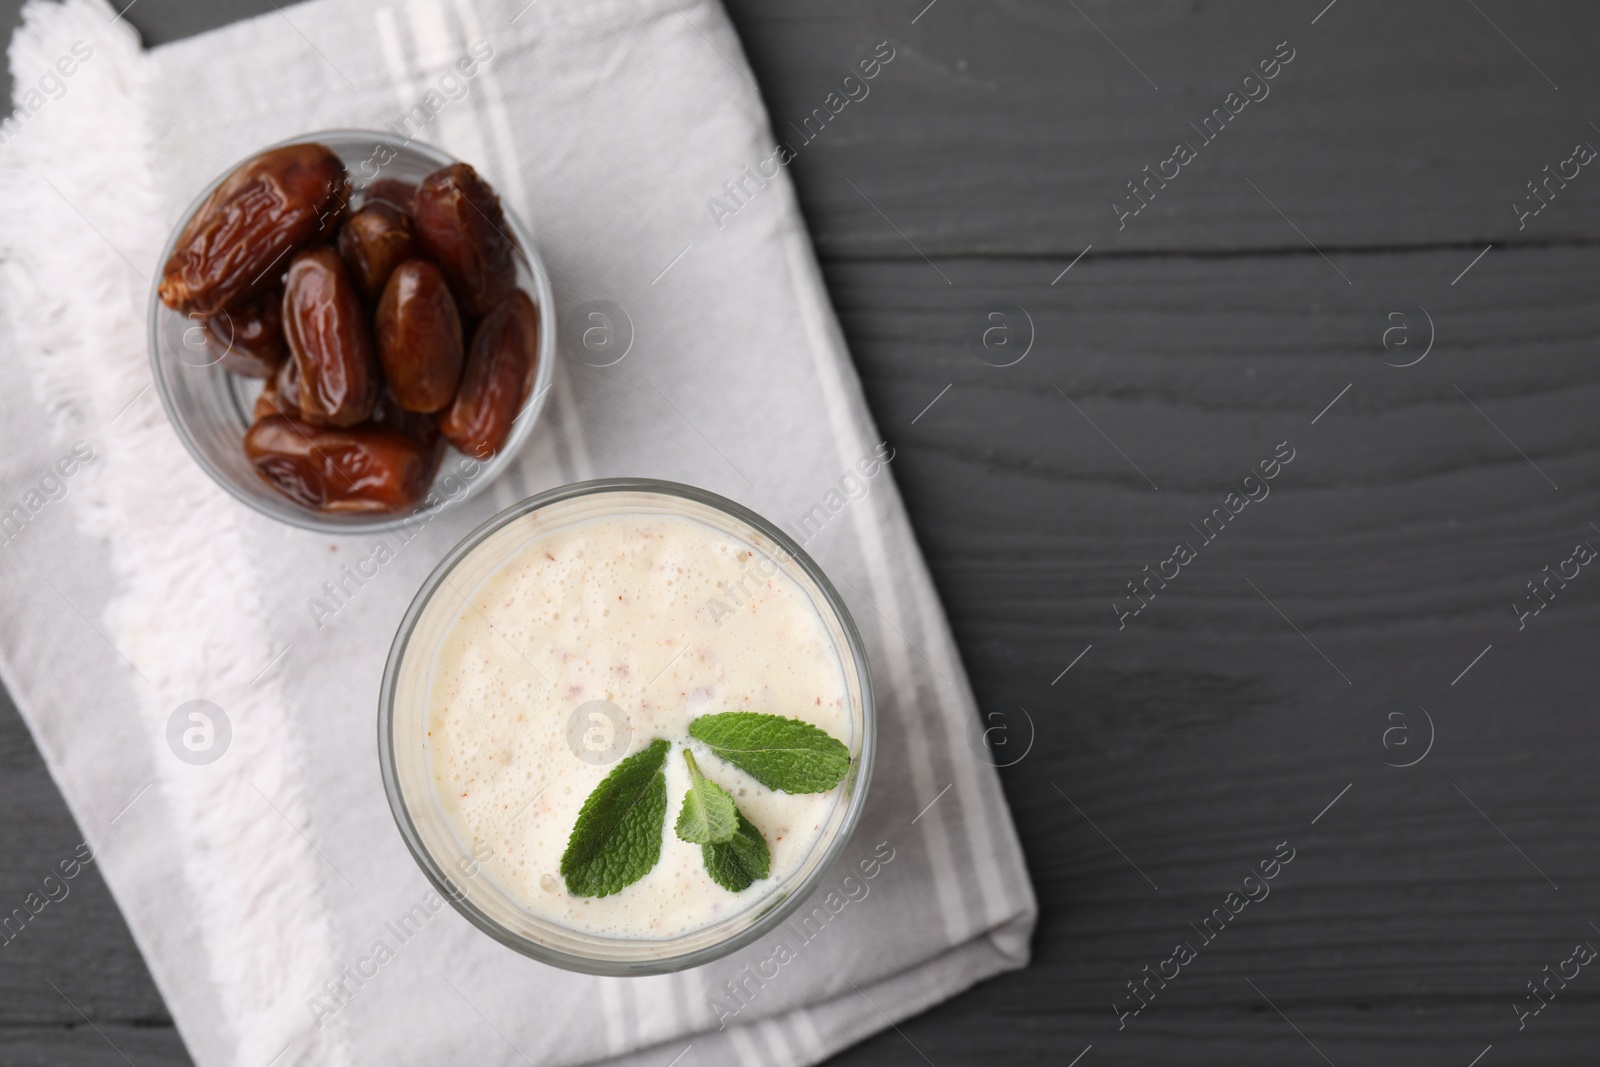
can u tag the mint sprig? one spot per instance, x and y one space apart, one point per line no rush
735 864
618 834
617 838
784 754
708 815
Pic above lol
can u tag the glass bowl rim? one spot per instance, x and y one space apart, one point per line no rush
302 517
442 882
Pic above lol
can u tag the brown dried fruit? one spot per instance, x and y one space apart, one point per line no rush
389 191
248 337
366 469
419 337
281 394
499 373
269 207
329 338
423 429
461 227
373 242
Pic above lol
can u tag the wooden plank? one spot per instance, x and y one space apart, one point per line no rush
105 1044
1012 128
77 940
1210 728
1016 1028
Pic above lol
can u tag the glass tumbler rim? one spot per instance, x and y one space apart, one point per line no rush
285 510
440 879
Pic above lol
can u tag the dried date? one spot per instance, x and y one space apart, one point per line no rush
372 242
423 429
329 339
269 207
248 337
281 394
366 469
419 337
499 372
391 191
461 227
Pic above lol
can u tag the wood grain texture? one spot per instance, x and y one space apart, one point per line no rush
1255 688
1210 729
77 941
1011 127
103 1044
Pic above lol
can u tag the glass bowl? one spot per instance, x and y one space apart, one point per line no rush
403 747
210 408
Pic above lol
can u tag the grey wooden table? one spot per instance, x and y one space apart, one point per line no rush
1344 261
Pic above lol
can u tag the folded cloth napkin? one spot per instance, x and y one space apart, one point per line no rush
279 911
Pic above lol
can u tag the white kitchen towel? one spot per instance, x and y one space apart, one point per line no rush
267 889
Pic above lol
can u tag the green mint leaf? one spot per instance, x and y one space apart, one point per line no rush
617 837
708 816
737 862
780 753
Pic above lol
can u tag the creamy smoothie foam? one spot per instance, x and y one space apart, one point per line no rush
668 619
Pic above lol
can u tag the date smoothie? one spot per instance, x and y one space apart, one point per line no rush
591 640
